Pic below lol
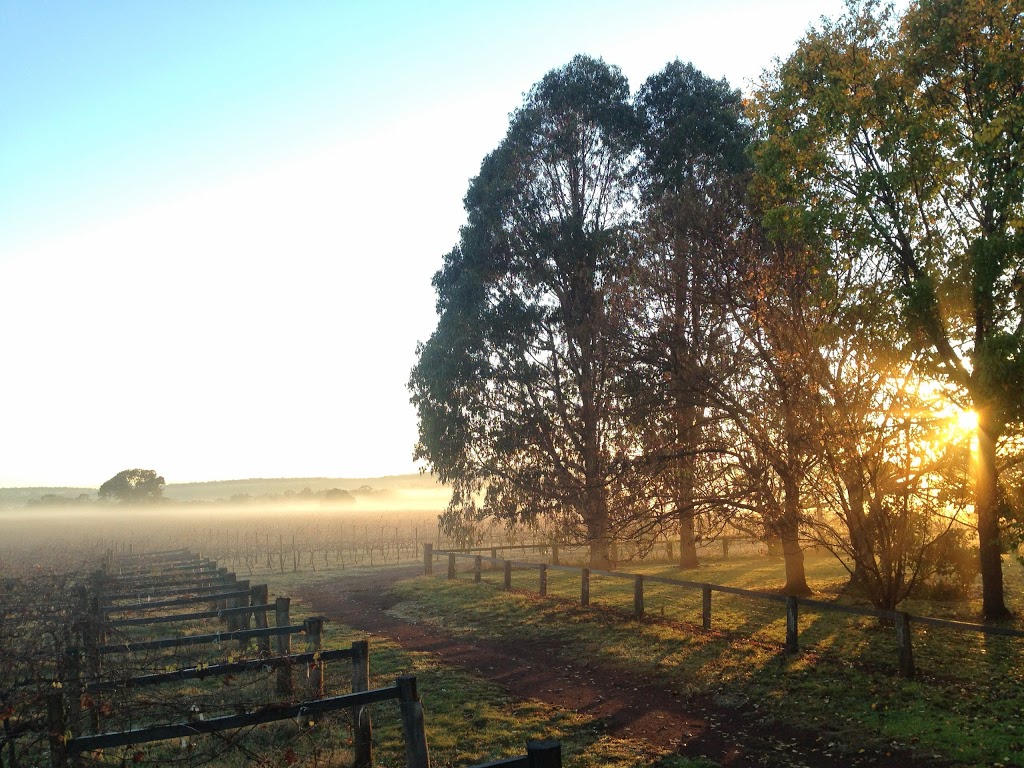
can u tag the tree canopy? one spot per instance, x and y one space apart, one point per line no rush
133 486
904 138
679 311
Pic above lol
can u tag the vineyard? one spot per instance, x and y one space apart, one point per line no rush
117 666
121 643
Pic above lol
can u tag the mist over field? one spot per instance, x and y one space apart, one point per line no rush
62 528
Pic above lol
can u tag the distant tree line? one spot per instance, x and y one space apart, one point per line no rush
677 309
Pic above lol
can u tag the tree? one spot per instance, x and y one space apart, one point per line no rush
692 174
133 486
905 135
516 388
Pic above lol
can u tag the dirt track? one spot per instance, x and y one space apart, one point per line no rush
627 707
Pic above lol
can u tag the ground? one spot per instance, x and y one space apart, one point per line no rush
626 706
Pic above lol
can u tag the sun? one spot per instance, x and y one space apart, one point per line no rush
967 422
961 425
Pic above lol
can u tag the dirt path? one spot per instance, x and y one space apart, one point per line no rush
627 707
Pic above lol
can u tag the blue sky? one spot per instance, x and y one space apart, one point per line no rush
219 220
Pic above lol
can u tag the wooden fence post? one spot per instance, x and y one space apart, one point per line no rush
543 579
313 628
12 754
451 565
904 647
56 728
362 731
792 616
508 574
544 754
239 622
428 558
93 636
259 595
477 568
281 619
72 681
413 732
705 593
638 596
585 587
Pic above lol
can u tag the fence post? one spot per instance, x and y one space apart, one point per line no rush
638 596
705 594
543 579
56 727
904 648
362 731
451 565
240 622
544 754
284 643
313 628
585 587
428 558
792 616
259 595
508 574
477 567
413 732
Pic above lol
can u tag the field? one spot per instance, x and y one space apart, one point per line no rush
838 701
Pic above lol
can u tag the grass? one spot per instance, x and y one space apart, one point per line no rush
963 707
469 719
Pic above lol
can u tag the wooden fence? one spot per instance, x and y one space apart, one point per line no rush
900 620
539 754
127 596
72 701
63 750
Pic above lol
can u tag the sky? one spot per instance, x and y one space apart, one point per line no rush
219 220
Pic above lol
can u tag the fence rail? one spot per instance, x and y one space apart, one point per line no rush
539 754
404 691
357 654
900 620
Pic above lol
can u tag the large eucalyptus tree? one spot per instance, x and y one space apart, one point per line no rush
517 388
692 174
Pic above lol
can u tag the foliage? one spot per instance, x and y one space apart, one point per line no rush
690 177
901 137
133 486
514 389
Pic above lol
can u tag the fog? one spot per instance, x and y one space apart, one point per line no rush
69 536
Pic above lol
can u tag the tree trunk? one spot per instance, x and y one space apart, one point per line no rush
687 540
796 579
856 526
684 503
986 507
598 531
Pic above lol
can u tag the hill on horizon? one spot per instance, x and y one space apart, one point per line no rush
212 490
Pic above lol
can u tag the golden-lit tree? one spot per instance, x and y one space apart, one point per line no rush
904 134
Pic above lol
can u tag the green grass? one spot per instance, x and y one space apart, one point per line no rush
964 706
469 719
